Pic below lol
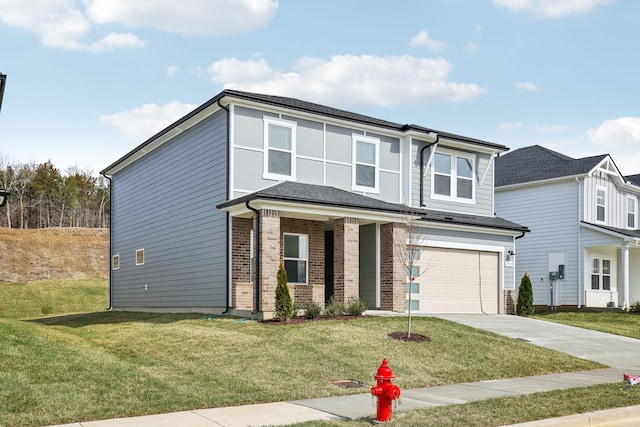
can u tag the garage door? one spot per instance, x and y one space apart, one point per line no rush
455 281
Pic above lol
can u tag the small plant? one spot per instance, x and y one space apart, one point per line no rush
357 307
634 307
524 306
312 310
284 304
46 309
334 308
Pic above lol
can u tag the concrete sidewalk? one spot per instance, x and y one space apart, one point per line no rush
618 352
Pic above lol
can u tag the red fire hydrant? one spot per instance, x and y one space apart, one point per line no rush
385 391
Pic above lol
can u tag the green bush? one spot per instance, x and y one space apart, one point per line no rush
284 304
524 306
312 310
356 307
334 308
634 307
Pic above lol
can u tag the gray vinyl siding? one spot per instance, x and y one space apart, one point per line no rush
324 154
551 213
483 204
368 264
166 203
616 201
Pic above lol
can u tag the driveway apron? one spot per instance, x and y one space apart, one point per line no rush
612 350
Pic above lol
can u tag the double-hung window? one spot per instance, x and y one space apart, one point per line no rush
601 204
632 207
365 164
296 257
279 149
600 274
453 177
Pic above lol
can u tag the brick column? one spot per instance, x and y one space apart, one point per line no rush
242 285
269 258
510 301
393 277
346 250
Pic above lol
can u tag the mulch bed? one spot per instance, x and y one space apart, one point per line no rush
402 336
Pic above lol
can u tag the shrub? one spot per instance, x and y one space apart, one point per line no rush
312 310
524 306
334 308
634 307
284 304
356 307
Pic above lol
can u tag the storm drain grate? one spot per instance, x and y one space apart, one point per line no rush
349 384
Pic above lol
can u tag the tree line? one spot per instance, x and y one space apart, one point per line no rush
41 196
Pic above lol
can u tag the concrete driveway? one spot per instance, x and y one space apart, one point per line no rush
612 350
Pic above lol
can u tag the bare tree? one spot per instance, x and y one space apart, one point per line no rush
409 253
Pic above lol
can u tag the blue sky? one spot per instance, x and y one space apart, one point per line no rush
89 80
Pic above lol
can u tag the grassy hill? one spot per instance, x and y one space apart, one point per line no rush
53 253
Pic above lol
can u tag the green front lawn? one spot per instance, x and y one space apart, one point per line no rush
613 322
74 367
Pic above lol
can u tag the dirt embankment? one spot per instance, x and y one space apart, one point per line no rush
53 253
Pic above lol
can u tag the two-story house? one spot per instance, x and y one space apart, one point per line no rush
204 212
583 249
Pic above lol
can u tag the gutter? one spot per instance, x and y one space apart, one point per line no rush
227 242
422 168
258 238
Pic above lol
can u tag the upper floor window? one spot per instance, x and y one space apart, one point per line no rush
453 176
601 204
365 163
279 148
296 257
632 207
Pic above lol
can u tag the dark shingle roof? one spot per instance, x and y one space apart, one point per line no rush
295 192
634 179
624 232
536 163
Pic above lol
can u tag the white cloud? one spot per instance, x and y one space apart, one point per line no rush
552 8
551 128
471 47
509 126
620 132
62 24
172 70
143 122
526 86
349 80
187 17
422 39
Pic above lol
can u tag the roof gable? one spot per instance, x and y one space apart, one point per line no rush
536 163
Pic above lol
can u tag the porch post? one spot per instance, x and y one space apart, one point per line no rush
625 275
346 259
393 272
269 259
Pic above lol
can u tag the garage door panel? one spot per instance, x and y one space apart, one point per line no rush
451 279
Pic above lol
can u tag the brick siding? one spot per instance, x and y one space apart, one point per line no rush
392 271
346 274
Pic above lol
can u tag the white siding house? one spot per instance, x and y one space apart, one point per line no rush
583 215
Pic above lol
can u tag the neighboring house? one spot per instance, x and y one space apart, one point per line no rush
204 212
583 215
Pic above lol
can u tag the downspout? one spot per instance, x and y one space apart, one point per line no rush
227 260
258 238
422 168
580 253
110 239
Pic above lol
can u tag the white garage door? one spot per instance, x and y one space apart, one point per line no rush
454 281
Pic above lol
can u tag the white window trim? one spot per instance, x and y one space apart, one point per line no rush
284 258
635 212
143 256
604 189
113 258
284 123
354 142
454 177
600 274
